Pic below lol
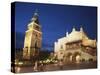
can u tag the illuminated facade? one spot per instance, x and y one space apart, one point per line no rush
33 38
76 47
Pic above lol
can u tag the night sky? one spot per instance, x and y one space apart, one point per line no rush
55 20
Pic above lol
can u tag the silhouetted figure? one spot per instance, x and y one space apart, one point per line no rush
41 67
36 66
61 64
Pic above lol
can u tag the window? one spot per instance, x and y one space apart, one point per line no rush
61 46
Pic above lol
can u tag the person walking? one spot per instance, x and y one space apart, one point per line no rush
36 67
61 64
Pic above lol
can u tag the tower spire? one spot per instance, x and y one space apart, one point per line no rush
36 12
35 17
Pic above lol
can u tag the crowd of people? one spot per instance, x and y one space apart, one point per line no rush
42 67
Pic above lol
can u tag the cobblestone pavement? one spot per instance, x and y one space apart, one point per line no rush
55 67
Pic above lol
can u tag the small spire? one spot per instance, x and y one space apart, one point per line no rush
55 42
81 29
74 29
67 34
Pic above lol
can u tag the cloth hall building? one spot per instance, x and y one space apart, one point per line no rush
76 47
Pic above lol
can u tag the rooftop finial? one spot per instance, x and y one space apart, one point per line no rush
74 29
67 34
81 29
